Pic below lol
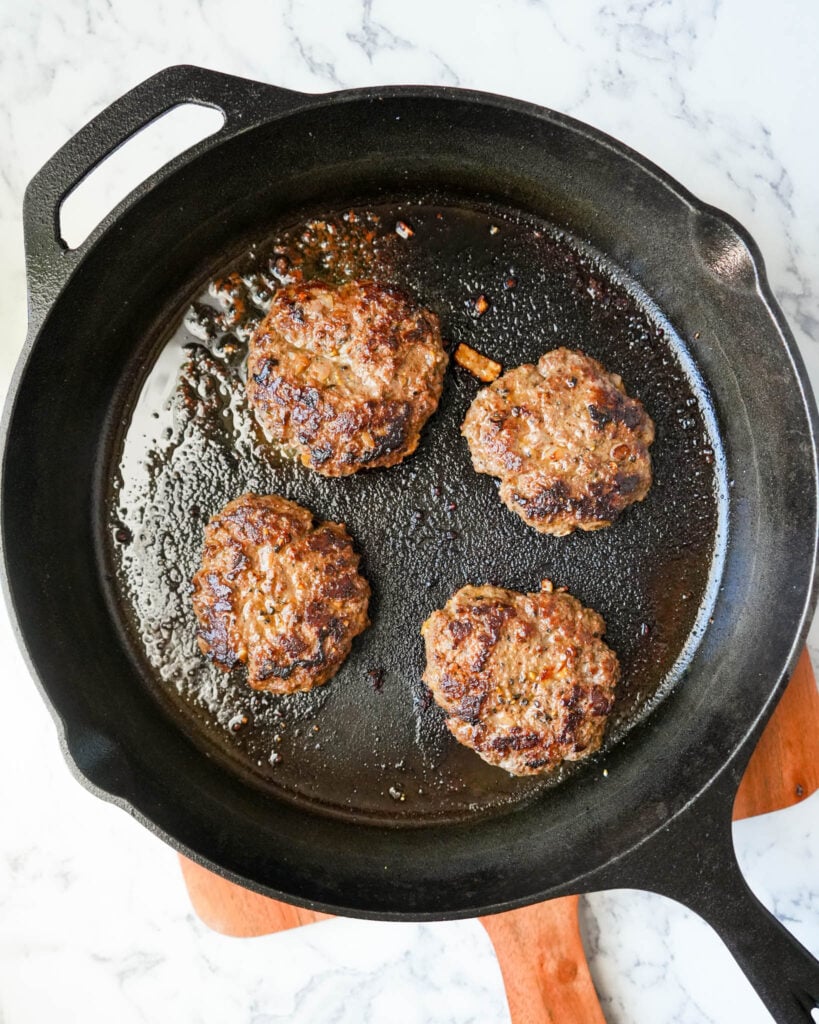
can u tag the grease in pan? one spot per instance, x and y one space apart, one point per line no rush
422 527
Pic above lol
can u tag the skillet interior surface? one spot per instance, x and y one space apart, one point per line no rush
100 317
371 744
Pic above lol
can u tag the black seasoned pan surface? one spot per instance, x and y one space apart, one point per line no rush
371 744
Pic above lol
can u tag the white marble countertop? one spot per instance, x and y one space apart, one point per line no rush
94 920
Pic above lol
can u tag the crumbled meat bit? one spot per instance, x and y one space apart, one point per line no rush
403 230
376 677
479 366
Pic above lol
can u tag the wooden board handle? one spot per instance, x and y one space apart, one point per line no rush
233 910
543 963
784 768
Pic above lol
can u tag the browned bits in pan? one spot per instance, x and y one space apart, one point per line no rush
376 677
232 294
481 305
403 230
231 286
281 270
479 366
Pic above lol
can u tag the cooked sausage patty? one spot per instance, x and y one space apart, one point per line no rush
569 445
524 679
346 375
279 591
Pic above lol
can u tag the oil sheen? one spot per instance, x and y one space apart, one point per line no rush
371 743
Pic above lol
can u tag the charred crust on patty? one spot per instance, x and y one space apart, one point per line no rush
346 375
569 446
280 591
525 680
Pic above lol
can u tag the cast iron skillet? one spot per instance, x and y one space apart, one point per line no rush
661 820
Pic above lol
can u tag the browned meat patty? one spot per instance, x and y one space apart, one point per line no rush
279 591
569 445
346 375
524 679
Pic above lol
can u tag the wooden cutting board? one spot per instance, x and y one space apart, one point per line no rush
539 948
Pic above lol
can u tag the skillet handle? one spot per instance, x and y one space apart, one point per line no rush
49 261
693 861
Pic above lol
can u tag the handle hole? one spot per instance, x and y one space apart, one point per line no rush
140 156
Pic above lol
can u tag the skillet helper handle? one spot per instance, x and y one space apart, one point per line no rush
49 261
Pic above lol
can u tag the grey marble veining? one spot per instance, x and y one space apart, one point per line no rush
94 921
